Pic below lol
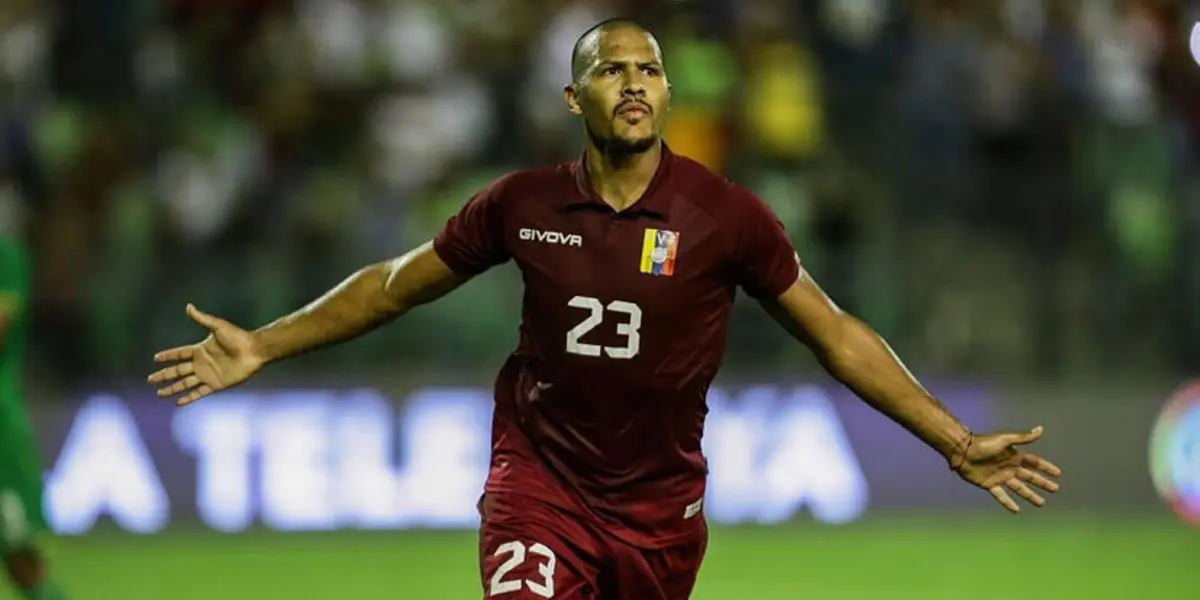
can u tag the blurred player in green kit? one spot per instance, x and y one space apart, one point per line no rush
21 519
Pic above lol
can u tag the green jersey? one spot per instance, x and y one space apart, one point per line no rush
21 515
14 320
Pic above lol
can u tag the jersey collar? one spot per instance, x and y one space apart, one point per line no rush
655 201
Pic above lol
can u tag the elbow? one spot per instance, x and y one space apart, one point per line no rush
387 301
418 277
394 301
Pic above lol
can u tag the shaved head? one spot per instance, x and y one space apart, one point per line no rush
587 47
619 87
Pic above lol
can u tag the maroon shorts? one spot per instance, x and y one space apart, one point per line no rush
529 550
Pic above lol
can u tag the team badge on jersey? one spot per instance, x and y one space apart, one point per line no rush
659 247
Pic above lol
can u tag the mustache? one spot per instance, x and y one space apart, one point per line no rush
633 104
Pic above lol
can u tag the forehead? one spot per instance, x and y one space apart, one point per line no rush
626 43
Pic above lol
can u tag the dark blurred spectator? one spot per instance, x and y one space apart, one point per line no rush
964 173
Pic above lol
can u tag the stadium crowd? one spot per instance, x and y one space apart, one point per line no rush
1001 187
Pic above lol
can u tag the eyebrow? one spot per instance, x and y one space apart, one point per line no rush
617 61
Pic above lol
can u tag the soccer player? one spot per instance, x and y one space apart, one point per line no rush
21 517
631 257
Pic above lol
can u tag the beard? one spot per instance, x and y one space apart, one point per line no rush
617 148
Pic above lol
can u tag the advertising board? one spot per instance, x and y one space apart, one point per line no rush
326 459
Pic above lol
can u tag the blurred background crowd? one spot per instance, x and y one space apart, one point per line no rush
1004 188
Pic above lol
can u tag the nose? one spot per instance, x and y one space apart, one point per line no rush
634 87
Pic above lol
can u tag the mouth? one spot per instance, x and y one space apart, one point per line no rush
633 110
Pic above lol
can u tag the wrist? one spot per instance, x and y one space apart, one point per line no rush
945 434
260 348
957 455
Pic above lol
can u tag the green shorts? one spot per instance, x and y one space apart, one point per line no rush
21 517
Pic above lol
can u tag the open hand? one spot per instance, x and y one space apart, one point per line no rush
227 357
995 463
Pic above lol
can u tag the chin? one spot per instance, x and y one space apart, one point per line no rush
633 144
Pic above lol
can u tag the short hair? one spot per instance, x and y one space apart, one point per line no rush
580 61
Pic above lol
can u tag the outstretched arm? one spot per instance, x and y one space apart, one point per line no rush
859 358
471 242
371 297
367 299
769 270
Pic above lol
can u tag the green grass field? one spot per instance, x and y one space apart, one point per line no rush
1045 556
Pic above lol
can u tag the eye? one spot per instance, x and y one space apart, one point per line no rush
651 71
611 70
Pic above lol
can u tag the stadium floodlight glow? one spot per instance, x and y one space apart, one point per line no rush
1175 451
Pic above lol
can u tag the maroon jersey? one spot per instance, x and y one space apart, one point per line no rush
601 406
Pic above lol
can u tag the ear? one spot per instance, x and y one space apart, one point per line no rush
571 95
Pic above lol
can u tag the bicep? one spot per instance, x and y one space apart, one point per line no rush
421 276
807 313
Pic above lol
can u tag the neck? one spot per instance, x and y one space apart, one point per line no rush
621 179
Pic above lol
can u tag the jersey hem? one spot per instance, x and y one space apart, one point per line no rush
605 527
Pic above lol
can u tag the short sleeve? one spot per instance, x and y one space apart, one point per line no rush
766 262
473 240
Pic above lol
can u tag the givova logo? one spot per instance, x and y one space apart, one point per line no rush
1175 452
551 237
